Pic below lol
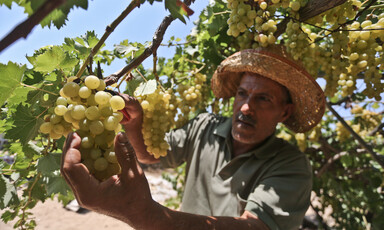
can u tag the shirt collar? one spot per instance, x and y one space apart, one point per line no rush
266 150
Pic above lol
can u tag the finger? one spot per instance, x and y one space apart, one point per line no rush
126 155
74 172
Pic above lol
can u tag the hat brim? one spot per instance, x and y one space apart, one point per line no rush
307 96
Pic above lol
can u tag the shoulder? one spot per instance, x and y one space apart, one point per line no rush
290 156
209 119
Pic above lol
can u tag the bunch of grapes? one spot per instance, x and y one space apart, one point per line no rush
94 113
191 97
159 112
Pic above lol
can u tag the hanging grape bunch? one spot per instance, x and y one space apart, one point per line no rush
338 43
94 114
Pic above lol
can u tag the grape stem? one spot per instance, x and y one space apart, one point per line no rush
374 155
33 87
108 31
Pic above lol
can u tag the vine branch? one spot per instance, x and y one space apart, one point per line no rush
135 62
25 28
374 155
108 31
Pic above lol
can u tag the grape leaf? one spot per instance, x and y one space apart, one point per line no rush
146 88
7 3
49 163
56 184
19 96
54 58
8 193
26 126
30 150
11 75
176 11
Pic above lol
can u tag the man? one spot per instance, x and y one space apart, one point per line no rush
239 175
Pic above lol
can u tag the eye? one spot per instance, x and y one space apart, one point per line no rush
241 93
264 98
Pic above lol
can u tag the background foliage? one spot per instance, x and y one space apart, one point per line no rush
346 151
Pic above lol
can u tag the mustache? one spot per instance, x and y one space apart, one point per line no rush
245 118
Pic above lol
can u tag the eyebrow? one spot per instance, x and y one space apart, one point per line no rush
260 93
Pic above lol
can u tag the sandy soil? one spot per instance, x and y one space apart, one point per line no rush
51 215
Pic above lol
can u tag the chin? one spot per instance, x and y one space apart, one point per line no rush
245 138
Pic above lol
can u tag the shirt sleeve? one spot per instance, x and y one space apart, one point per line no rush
181 142
283 197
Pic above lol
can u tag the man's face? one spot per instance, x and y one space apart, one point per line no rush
260 104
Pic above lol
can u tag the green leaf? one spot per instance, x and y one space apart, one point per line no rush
8 193
30 150
56 184
26 126
10 78
145 88
7 3
176 11
19 96
49 163
54 58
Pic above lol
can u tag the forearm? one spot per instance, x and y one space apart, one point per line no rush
162 218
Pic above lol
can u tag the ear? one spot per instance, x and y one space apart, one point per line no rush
287 111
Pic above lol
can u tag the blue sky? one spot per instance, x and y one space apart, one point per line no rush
138 26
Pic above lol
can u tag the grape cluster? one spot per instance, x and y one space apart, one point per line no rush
159 111
94 113
363 124
190 97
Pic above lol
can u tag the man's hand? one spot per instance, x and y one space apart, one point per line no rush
126 196
133 125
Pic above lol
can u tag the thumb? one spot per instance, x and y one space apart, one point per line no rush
125 154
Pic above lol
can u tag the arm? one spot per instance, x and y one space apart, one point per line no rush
127 196
133 127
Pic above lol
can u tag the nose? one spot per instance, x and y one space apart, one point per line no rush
245 108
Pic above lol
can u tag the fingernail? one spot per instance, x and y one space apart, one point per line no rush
123 138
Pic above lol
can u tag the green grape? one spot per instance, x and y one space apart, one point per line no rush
46 127
91 100
71 89
101 85
96 127
61 101
95 153
110 123
60 110
87 142
92 113
85 92
54 135
92 82
84 124
110 156
105 111
55 119
100 164
118 115
78 112
102 97
117 103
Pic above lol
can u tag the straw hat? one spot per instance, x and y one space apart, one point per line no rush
273 62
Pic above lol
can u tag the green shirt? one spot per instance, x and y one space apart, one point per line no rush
273 181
